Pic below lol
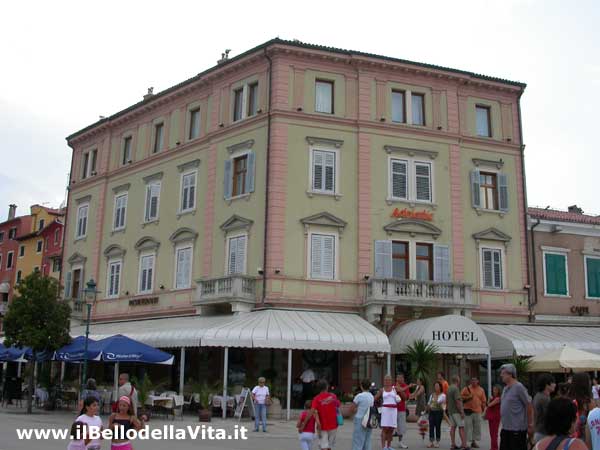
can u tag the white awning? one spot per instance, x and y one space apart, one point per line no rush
531 340
302 330
169 332
451 334
4 288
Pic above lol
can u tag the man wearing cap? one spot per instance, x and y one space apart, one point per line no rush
515 411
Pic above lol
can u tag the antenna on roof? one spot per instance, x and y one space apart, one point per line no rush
150 93
224 56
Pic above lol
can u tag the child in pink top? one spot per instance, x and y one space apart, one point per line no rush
307 434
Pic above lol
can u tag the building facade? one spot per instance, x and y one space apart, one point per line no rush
305 177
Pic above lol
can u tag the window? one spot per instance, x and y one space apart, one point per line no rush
85 166
12 233
252 99
152 201
146 274
424 255
113 282
41 224
555 274
410 180
399 178
490 190
183 267
1 236
592 277
188 191
77 283
323 171
19 276
324 96
120 212
483 119
398 107
39 246
418 109
21 251
158 137
93 158
9 260
492 268
56 265
322 256
423 181
194 123
236 255
127 150
57 236
240 169
36 269
82 219
238 104
400 260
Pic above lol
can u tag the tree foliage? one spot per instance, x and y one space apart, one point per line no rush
37 318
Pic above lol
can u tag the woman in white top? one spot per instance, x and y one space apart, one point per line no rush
435 408
89 416
389 411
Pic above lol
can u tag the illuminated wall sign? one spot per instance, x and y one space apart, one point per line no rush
408 214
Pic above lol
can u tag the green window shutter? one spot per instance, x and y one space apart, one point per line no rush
593 277
556 274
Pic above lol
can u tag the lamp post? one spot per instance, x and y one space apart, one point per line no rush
90 298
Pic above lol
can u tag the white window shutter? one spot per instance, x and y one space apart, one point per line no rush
476 188
192 192
487 269
328 261
68 285
228 180
383 259
330 171
316 251
497 269
240 266
423 181
503 192
399 176
250 172
232 257
441 263
317 170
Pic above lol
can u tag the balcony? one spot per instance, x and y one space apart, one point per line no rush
237 290
78 310
419 293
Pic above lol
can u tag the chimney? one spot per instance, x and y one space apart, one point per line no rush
12 211
575 209
149 94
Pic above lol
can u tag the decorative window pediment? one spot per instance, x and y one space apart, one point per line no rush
413 227
147 243
188 165
492 234
183 235
76 258
114 251
235 223
154 177
121 188
84 199
240 146
498 164
412 152
324 219
312 140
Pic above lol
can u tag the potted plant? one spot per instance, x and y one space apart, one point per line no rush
143 388
204 411
346 406
422 356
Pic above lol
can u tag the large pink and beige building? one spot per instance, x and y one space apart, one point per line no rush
305 178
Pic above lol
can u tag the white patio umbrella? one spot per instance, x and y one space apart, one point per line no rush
564 359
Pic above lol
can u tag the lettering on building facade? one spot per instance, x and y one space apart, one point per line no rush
456 335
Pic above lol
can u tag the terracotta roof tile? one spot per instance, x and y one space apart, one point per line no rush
563 216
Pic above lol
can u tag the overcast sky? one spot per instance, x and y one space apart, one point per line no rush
63 64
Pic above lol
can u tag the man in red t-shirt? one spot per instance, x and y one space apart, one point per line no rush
403 390
325 406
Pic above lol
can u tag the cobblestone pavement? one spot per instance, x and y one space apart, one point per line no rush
281 435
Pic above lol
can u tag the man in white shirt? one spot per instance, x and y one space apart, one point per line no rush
308 380
592 431
261 397
127 390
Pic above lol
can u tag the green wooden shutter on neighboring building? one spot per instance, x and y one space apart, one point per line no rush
556 274
593 277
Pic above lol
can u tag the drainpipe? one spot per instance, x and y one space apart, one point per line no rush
268 158
530 302
66 220
534 263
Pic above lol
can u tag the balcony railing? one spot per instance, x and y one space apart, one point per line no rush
78 309
419 293
226 289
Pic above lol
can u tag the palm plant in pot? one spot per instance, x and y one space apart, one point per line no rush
205 411
422 356
143 388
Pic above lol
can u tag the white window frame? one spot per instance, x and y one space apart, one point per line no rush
411 174
38 246
178 248
564 253
18 277
139 281
21 251
78 218
148 219
190 116
245 87
55 263
336 255
181 193
232 158
585 258
156 148
57 236
12 260
336 171
227 244
115 211
126 138
502 265
110 263
332 100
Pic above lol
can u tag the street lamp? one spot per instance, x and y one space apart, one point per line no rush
90 293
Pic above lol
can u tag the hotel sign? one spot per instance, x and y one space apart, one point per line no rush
409 214
457 336
143 301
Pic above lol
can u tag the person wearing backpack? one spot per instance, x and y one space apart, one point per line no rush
361 407
561 419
